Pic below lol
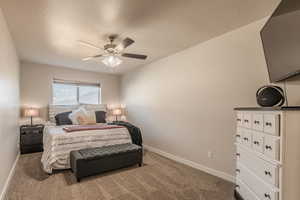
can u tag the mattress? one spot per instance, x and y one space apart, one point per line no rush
58 143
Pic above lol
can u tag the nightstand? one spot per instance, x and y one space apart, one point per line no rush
31 138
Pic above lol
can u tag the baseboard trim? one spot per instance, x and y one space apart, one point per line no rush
8 179
198 166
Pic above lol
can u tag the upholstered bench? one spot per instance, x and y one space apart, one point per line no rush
92 161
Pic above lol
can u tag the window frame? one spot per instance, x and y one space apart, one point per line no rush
77 84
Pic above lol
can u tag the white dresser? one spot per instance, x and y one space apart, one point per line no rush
268 153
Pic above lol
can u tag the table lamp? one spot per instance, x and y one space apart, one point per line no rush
31 112
117 112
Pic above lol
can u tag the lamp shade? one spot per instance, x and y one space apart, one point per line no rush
31 112
117 111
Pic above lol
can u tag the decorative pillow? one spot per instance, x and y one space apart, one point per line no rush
73 116
63 119
100 116
81 120
91 117
87 119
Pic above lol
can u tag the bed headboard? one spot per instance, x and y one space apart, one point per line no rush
55 109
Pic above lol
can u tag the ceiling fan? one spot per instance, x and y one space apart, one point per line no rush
112 51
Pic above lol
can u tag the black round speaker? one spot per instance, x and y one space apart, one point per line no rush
269 96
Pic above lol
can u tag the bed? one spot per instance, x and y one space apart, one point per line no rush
58 143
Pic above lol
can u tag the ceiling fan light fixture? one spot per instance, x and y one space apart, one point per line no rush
112 61
112 52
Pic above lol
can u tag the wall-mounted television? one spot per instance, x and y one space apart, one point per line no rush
281 41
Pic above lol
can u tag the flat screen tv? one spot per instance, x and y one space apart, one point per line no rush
281 41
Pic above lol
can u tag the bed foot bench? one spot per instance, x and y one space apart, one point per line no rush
92 161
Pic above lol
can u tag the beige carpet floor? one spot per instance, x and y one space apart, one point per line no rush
159 179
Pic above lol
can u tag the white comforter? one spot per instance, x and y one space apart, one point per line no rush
58 144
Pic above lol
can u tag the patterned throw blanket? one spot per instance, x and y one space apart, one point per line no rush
58 143
90 127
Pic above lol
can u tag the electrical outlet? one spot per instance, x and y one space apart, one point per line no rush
210 154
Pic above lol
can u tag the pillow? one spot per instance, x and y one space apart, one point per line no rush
63 119
87 119
81 120
100 116
91 117
75 114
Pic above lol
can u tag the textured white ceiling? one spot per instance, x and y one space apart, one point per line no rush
47 31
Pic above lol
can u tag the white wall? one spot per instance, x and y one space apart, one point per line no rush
184 103
36 84
9 103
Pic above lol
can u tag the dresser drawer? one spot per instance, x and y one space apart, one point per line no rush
239 119
265 170
247 120
246 138
31 148
258 122
258 141
239 135
244 191
28 131
271 124
262 190
272 147
31 138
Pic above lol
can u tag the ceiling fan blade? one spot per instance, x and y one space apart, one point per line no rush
92 57
87 44
136 56
125 43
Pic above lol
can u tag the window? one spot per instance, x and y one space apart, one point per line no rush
73 93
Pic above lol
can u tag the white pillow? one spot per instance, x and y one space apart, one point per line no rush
76 113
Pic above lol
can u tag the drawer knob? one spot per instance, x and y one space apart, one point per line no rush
256 142
268 147
238 136
268 173
246 120
256 122
267 196
237 154
238 119
246 139
238 170
268 124
237 186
